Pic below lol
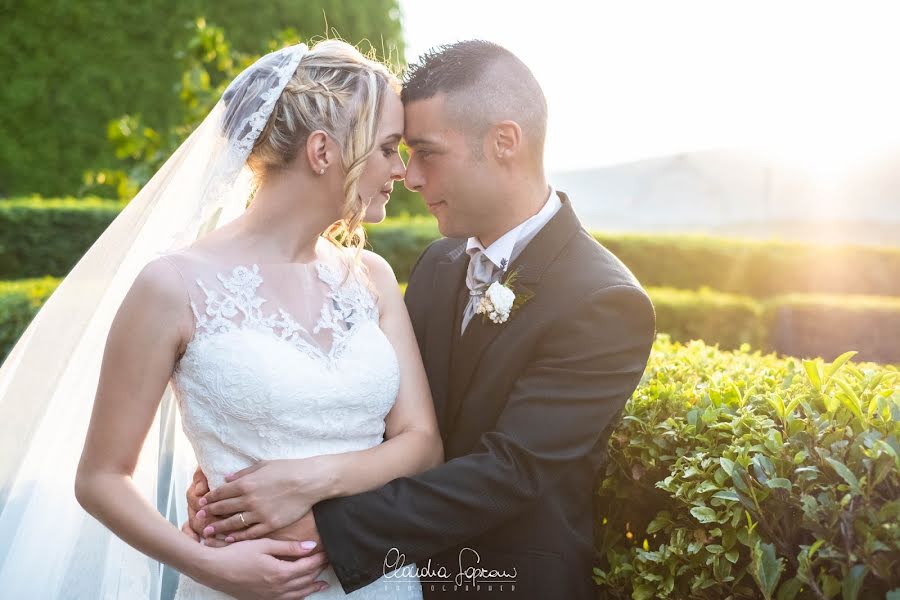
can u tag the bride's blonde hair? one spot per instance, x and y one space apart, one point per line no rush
338 90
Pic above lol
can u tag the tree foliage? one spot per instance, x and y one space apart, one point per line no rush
72 67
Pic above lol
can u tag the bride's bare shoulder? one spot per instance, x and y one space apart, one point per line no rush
382 276
377 266
161 282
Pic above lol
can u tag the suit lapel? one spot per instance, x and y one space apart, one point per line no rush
449 276
531 264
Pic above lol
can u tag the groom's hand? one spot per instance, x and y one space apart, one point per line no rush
197 518
300 531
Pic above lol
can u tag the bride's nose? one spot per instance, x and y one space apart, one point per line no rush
398 169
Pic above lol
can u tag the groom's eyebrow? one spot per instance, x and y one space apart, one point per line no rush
414 142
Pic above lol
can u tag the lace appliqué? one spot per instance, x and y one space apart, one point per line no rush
347 304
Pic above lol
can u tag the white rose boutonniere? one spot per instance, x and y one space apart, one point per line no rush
501 299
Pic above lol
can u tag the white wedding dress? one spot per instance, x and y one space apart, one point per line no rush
286 361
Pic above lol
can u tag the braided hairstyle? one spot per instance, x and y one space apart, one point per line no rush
338 90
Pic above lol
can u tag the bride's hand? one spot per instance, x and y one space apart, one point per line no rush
270 495
264 569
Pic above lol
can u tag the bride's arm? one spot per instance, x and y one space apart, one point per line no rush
145 339
273 494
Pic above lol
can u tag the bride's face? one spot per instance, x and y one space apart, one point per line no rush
384 166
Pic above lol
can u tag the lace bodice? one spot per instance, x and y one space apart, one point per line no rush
285 361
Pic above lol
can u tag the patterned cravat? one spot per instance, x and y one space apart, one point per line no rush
478 280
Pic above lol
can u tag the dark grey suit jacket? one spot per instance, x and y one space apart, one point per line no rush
525 410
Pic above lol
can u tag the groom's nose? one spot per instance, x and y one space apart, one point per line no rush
414 178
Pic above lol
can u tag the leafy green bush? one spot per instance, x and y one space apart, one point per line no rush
19 302
737 475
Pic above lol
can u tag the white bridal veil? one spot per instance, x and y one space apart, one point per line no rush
49 547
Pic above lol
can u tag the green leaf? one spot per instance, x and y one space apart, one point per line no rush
845 474
791 406
643 592
853 582
766 568
704 514
658 524
739 478
830 585
727 464
838 363
851 400
727 495
789 589
777 402
813 371
779 482
832 402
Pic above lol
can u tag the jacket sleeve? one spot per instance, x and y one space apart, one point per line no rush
583 372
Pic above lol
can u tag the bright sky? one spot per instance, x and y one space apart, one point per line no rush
813 82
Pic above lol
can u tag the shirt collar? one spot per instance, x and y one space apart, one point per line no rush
501 251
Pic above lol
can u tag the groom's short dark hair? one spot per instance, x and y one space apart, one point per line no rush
487 83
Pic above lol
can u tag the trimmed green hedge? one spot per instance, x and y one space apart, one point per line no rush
41 237
820 325
757 268
19 302
736 475
802 325
791 325
725 319
749 268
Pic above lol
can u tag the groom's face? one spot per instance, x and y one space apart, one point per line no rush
444 169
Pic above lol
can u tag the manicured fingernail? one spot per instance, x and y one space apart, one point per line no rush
201 514
307 545
209 530
202 501
229 539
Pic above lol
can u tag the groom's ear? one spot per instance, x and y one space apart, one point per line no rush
505 140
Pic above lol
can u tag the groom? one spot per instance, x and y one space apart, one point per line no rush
525 401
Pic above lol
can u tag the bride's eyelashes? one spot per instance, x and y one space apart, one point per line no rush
388 151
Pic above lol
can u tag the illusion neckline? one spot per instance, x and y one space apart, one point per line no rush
325 254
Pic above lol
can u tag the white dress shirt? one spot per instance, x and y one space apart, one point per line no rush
506 248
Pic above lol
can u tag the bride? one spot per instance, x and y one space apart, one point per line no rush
281 338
